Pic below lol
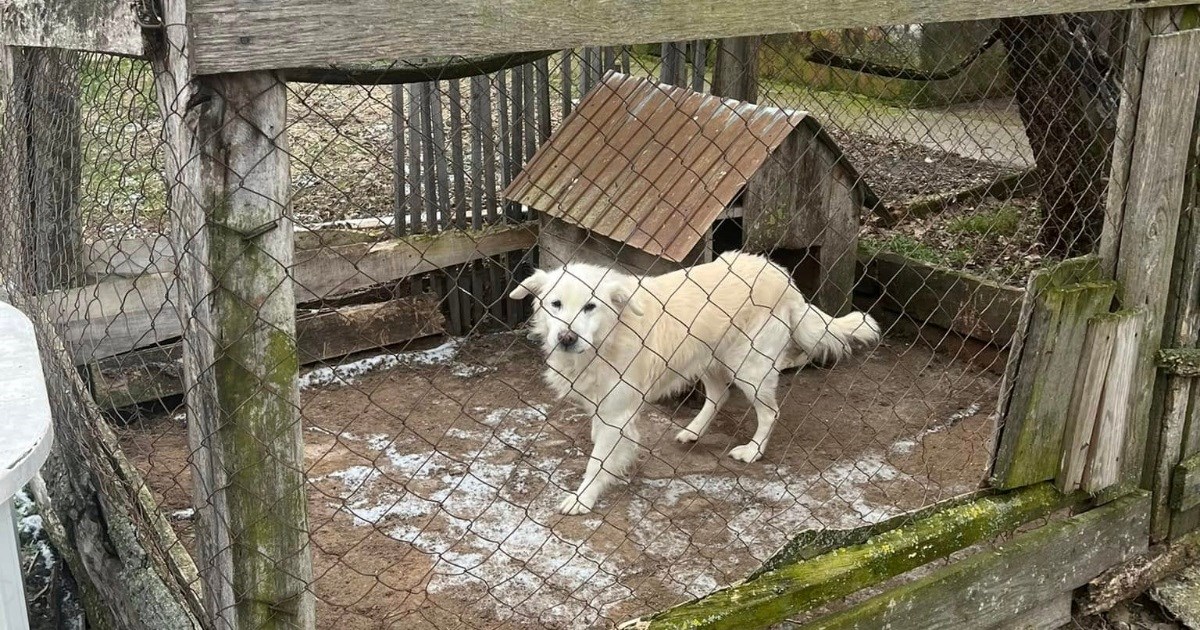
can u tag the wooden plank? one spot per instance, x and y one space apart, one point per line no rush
1179 595
698 59
1104 463
234 36
1052 614
1185 489
243 401
479 109
1034 424
123 314
793 589
413 202
1085 401
1158 170
437 145
399 172
545 127
108 26
964 303
156 373
993 587
564 68
1132 578
1183 362
673 66
457 167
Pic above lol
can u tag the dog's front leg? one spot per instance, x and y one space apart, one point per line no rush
615 442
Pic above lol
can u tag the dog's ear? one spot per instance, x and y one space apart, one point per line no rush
623 296
533 285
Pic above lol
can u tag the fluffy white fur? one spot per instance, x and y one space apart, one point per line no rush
735 321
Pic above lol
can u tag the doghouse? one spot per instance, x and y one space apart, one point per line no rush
653 178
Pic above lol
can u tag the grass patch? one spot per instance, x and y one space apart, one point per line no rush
1004 220
911 248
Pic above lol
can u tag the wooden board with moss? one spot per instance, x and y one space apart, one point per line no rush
109 26
962 302
992 588
791 589
1034 423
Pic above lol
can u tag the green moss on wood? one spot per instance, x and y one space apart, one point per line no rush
1180 362
792 589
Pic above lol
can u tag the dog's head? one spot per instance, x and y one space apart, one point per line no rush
578 306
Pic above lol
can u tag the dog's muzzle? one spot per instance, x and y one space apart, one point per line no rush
568 339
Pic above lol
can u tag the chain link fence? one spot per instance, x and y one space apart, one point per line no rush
918 173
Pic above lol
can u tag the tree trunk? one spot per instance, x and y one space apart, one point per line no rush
1067 98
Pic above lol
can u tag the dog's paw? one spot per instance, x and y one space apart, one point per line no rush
686 435
748 453
572 505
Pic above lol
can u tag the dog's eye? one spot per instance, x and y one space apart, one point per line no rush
556 304
589 307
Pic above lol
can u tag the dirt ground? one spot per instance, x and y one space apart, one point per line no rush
434 475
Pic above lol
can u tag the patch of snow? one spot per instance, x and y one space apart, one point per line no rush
347 373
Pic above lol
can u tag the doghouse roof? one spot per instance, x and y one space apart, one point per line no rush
654 165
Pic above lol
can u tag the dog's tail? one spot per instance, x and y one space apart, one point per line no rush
826 338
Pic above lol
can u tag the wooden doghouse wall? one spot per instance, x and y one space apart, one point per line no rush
802 198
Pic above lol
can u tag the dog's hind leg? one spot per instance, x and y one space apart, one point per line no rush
760 389
716 392
614 449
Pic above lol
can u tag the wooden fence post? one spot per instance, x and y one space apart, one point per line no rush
735 74
228 189
1150 166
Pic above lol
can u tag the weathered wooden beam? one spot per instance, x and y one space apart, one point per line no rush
964 303
244 428
792 589
1185 489
1183 362
1130 579
735 72
1098 415
124 314
992 588
156 373
1149 227
109 26
1034 423
233 36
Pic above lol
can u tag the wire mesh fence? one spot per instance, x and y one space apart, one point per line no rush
917 173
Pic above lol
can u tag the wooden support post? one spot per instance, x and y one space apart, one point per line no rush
252 509
228 190
736 72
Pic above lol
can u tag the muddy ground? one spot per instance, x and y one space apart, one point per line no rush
434 477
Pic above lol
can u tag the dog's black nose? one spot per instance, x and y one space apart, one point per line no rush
567 338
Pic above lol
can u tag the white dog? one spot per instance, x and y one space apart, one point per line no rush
615 342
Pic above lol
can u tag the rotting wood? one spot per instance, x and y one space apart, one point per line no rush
1096 420
964 303
108 26
244 428
1034 423
232 36
1103 469
124 314
792 589
156 373
1185 491
1158 171
1183 362
992 588
1131 578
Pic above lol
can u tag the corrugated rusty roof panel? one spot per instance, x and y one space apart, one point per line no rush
648 164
